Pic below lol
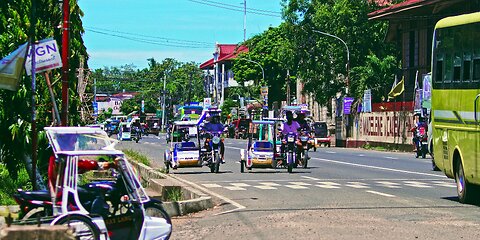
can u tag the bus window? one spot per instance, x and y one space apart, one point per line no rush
447 75
467 63
439 70
457 66
476 70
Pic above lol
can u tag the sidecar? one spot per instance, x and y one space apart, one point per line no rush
184 150
261 151
123 216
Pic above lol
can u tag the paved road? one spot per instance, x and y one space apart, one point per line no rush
344 194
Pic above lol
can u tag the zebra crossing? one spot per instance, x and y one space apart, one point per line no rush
345 184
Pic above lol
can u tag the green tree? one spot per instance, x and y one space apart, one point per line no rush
15 107
321 60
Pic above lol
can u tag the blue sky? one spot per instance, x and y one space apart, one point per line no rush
150 21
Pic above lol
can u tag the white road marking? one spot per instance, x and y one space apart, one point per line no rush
233 188
381 194
361 155
265 187
300 183
270 184
357 185
238 205
388 184
330 152
294 186
394 158
444 184
330 185
416 184
240 184
211 185
234 148
311 178
378 168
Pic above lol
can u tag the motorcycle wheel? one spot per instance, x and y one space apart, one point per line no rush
136 140
305 162
290 163
84 227
424 152
217 163
155 209
242 166
212 167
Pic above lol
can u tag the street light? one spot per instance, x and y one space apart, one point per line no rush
348 55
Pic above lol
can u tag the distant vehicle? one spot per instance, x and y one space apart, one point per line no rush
124 132
321 136
241 126
456 102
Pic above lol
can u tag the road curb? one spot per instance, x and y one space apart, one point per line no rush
195 200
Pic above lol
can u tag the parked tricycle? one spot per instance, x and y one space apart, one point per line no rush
114 208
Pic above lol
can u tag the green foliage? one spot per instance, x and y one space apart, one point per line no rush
173 194
136 156
228 104
183 80
320 60
15 107
9 185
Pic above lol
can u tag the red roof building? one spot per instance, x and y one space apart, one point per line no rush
218 73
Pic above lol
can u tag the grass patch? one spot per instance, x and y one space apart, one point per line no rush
380 148
136 156
173 194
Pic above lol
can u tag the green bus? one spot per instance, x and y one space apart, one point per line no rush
456 102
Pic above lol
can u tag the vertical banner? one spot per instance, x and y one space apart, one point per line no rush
347 105
418 101
427 91
367 101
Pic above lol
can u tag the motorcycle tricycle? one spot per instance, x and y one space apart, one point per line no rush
261 151
96 210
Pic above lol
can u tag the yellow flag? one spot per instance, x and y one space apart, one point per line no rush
11 68
397 89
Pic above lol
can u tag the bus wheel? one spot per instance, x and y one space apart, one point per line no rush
465 190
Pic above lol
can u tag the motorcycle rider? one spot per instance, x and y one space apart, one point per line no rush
290 126
418 124
214 125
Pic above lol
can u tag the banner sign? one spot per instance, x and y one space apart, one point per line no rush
367 101
95 108
427 91
11 68
47 56
347 105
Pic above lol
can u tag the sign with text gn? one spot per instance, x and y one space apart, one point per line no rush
47 56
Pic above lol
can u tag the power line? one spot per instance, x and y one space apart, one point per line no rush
150 36
252 9
137 39
233 8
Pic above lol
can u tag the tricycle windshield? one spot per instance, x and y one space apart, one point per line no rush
78 139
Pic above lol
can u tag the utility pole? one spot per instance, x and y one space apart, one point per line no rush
65 54
95 99
288 87
244 20
189 89
163 104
